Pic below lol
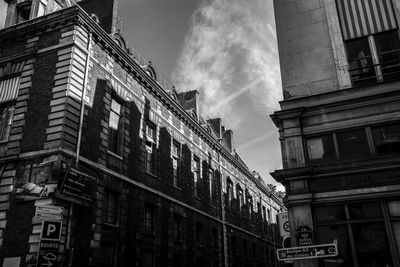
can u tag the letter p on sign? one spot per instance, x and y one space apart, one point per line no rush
51 230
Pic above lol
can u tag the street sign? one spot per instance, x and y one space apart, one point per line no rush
51 230
307 252
48 253
50 209
284 224
304 236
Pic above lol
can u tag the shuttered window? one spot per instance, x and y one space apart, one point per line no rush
365 17
9 89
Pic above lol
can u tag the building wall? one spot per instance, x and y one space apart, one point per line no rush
344 116
54 67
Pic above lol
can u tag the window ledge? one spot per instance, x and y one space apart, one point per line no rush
114 155
177 188
151 174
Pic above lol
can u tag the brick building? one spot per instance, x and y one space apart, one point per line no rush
142 179
339 126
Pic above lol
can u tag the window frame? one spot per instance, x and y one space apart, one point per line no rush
115 135
176 164
150 147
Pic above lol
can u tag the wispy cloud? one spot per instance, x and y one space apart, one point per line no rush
230 53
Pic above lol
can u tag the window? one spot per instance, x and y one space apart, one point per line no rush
215 238
23 11
348 145
150 147
250 207
386 139
199 233
196 176
371 39
264 215
176 164
6 116
269 215
211 180
107 254
360 231
177 227
147 258
352 144
240 198
234 245
115 127
111 207
321 148
149 218
229 192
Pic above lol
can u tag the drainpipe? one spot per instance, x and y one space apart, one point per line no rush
224 230
78 147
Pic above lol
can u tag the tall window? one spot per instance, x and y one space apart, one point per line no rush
150 147
149 218
240 198
177 227
107 254
196 176
229 192
111 207
370 32
176 164
211 186
114 123
6 116
199 233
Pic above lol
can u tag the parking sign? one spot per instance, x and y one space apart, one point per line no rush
51 230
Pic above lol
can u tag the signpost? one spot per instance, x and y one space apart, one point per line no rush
307 252
50 234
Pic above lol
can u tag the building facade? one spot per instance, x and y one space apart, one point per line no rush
139 177
339 126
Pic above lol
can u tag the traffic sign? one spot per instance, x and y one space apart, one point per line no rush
284 224
51 230
307 252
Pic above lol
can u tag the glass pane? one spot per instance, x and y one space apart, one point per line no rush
327 234
329 213
371 242
365 210
387 139
115 106
321 148
396 231
114 120
388 46
360 60
394 208
353 145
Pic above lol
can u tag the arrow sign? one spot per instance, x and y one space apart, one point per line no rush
50 209
307 252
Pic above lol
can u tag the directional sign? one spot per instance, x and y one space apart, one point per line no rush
51 230
307 252
50 209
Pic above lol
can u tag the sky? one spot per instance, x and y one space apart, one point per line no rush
225 49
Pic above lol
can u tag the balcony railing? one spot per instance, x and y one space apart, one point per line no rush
364 72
